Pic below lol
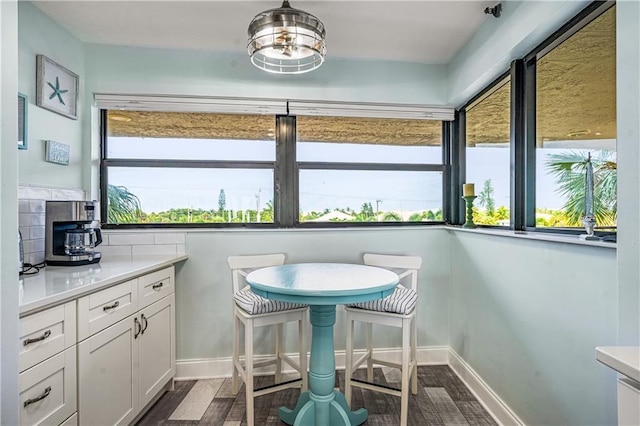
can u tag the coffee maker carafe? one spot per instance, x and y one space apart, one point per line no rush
71 233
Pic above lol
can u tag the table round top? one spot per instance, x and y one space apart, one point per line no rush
323 283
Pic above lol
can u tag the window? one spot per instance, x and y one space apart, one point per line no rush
554 109
177 168
163 168
488 154
355 169
575 119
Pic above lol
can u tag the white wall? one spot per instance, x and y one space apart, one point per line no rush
8 213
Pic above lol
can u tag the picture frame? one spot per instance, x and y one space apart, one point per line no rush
23 106
56 87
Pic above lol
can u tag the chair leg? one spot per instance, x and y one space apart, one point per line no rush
414 357
279 330
369 337
406 352
248 368
236 356
302 342
348 367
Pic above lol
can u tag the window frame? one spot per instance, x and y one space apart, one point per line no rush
523 127
286 171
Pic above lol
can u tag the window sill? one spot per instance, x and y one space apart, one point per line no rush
540 236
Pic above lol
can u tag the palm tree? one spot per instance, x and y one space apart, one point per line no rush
485 198
123 206
569 169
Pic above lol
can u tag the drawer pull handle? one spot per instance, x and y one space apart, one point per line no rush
158 286
115 305
45 394
145 323
37 339
137 328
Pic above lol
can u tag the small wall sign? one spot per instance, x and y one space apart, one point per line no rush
56 152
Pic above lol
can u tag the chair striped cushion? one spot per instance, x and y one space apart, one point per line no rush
401 301
254 304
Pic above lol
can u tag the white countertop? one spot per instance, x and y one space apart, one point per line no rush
57 284
624 359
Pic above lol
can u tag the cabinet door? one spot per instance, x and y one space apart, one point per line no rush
157 347
108 376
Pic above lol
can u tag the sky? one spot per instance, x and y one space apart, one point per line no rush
161 189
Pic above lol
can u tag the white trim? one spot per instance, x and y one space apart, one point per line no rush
194 369
210 368
496 407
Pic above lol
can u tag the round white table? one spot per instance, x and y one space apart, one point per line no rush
322 286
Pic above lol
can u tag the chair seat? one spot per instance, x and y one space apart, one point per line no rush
254 304
402 301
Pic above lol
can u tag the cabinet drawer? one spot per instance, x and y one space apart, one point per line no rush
154 286
48 390
106 307
46 333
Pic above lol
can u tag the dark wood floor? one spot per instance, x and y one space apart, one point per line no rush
442 399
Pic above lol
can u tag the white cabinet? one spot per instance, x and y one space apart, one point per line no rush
48 390
156 348
108 377
124 366
47 363
628 402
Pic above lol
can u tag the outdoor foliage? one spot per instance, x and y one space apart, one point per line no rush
569 170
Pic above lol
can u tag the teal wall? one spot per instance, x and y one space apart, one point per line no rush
527 315
628 111
38 34
203 294
522 26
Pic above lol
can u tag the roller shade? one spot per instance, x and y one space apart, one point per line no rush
339 109
191 104
270 106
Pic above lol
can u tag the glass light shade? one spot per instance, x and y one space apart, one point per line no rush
286 41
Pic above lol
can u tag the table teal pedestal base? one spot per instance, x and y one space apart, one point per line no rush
323 405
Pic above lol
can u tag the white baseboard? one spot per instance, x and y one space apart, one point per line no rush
208 368
498 409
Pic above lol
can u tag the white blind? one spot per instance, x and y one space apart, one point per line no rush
339 109
190 104
270 106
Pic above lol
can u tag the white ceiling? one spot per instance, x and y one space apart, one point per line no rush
414 31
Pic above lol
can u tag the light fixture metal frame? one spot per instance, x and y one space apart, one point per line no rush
283 21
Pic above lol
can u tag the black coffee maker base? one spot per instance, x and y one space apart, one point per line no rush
78 262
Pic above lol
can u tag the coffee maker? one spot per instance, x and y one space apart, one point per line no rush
71 233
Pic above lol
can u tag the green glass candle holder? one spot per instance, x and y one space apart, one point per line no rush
469 219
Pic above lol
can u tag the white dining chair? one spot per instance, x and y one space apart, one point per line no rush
396 310
251 311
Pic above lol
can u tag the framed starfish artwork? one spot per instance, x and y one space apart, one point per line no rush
56 87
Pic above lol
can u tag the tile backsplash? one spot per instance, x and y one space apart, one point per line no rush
31 214
31 210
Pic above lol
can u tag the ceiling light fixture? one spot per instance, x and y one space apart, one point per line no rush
285 40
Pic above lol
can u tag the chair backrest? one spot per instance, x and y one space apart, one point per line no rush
405 266
241 266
